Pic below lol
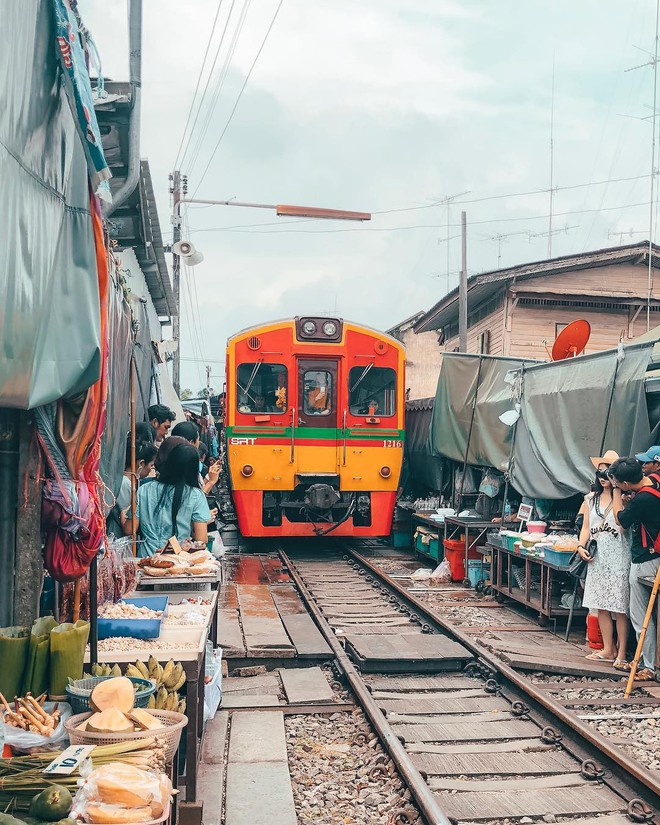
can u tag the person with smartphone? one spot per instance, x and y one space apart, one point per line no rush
641 513
606 549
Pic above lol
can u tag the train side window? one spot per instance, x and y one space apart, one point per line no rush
261 388
317 392
372 391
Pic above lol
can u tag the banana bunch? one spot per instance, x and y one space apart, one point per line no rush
169 680
103 670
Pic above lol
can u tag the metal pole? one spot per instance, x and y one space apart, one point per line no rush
462 289
655 117
93 612
133 462
176 280
469 438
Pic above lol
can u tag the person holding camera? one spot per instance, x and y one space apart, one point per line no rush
605 548
636 504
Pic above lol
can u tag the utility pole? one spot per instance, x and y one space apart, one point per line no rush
552 157
175 190
208 386
462 289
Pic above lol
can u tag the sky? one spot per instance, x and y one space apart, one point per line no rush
389 107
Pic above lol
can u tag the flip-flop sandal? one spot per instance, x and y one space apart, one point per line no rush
598 657
621 664
644 675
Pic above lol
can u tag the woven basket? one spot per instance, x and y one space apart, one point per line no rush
79 691
168 736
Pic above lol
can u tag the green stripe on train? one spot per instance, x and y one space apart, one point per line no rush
320 433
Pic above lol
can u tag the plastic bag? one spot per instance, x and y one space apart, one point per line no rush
422 574
213 688
22 741
114 788
442 573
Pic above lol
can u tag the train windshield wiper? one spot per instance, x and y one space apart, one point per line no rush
361 378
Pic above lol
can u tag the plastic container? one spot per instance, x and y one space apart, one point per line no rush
594 636
168 736
536 526
135 628
559 557
455 555
79 692
476 572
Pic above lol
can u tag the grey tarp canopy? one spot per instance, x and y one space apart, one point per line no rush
570 410
48 279
424 467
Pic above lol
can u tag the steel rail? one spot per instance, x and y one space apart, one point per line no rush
420 791
614 754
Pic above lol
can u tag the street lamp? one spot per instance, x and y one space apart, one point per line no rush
282 210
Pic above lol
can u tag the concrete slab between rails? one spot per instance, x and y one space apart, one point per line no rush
259 793
255 700
306 685
257 737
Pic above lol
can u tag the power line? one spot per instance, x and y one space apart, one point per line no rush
199 79
224 71
240 94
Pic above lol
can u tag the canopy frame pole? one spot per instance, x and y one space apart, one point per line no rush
469 437
133 459
514 428
609 406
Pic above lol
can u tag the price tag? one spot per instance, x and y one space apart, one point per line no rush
525 512
67 762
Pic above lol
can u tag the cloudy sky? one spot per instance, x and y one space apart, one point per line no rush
388 106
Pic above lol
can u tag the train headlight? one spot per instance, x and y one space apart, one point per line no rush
385 472
309 327
329 328
247 470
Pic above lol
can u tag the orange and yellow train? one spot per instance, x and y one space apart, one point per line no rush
314 428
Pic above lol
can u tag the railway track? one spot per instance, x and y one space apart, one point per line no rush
473 740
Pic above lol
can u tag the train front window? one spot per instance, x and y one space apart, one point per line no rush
372 391
317 392
261 388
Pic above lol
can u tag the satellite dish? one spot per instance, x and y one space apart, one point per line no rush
571 341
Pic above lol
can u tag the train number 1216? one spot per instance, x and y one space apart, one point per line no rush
390 443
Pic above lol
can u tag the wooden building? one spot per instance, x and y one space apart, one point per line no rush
519 311
423 355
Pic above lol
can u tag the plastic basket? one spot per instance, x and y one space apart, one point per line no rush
80 691
168 737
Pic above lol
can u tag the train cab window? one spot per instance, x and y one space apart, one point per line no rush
317 392
261 388
372 391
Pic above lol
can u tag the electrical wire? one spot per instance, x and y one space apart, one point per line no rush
238 99
222 77
199 79
219 83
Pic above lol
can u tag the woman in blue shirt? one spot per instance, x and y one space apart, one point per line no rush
173 505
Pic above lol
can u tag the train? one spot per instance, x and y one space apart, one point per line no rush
314 428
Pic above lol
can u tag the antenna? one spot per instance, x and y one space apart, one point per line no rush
559 231
499 239
447 201
628 233
653 62
552 154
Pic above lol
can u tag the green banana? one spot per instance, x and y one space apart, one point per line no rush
161 698
133 672
115 670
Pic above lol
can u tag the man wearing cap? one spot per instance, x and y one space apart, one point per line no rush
650 460
642 514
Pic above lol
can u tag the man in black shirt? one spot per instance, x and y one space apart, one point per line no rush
637 506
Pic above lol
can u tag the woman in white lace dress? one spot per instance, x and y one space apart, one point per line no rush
606 588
